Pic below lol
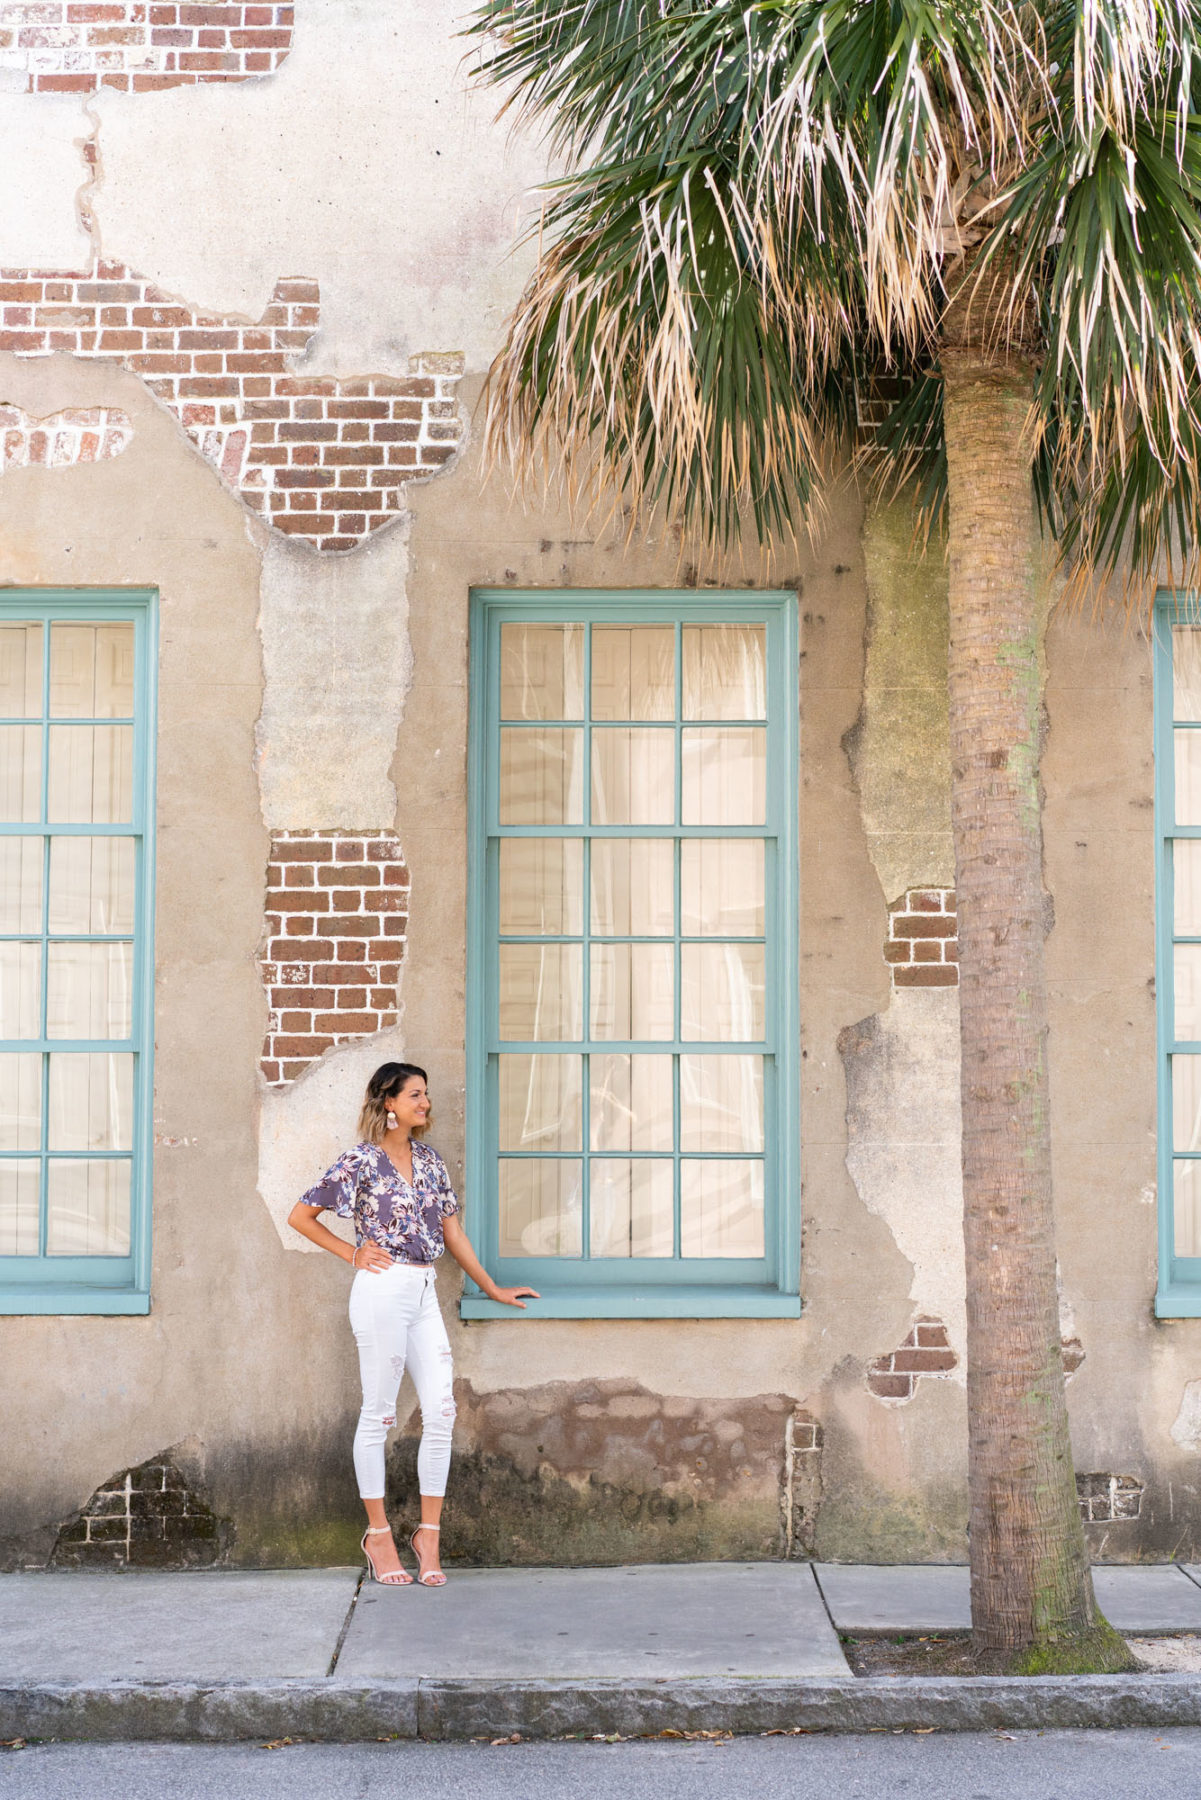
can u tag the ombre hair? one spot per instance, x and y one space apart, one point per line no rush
384 1086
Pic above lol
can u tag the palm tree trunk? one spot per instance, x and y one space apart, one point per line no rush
1031 1583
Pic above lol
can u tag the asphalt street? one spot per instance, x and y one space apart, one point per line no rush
1062 1765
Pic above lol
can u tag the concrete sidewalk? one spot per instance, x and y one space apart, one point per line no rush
543 1652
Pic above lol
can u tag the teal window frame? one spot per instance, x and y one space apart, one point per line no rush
1178 1293
101 1284
618 1288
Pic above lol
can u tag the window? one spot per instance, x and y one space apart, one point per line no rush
632 972
76 962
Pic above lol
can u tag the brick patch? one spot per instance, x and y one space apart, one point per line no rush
1107 1499
923 945
1073 1356
337 918
924 1352
77 46
319 458
79 435
144 1518
801 1494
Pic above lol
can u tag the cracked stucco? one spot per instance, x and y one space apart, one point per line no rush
902 1064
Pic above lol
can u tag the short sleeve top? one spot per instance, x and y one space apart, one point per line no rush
402 1218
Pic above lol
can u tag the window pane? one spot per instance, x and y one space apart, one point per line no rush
1188 777
633 777
91 1102
631 994
1186 1208
541 781
20 772
633 887
721 1208
91 671
92 884
630 1104
1186 965
21 1102
721 1103
633 672
19 1208
725 672
87 1209
630 1209
89 990
541 992
725 776
541 1209
1186 672
21 883
20 670
541 882
542 671
91 774
1186 881
1186 1102
20 998
721 992
540 1102
721 887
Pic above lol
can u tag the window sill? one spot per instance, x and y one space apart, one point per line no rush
642 1303
72 1301
1178 1302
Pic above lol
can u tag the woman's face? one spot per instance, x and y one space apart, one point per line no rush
410 1105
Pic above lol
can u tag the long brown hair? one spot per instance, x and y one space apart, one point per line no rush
384 1085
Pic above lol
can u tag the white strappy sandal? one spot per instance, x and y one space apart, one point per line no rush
397 1577
435 1577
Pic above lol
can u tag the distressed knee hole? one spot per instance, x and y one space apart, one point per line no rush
388 1420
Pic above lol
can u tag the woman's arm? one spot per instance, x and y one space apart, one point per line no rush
306 1220
459 1245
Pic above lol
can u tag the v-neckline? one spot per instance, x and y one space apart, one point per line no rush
409 1182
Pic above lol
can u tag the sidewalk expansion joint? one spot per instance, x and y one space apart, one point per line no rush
354 1600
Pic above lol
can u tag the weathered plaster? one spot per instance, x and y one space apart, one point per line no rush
40 153
405 208
338 666
903 1147
1186 1427
900 750
902 1063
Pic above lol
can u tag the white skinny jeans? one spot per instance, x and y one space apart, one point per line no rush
397 1325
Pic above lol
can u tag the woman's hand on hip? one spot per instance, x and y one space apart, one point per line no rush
509 1296
371 1257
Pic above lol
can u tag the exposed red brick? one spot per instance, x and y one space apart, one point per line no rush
922 925
890 1387
926 975
328 989
924 1352
922 947
129 46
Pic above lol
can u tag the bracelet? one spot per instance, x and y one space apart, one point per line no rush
353 1254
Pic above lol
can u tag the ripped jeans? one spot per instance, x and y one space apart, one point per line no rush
397 1325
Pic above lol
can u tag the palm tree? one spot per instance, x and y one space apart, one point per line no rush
996 207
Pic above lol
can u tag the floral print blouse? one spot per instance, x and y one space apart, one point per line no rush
406 1221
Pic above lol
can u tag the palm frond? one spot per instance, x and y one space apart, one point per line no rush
768 199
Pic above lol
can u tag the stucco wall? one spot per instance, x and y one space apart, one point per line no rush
325 692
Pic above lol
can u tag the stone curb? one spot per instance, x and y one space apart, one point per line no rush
344 1711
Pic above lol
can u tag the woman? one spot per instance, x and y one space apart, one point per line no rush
405 1213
